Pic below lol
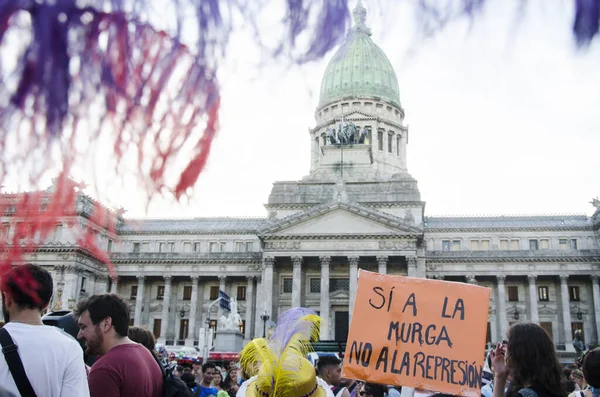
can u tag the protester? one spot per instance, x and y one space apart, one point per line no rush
52 360
372 390
205 388
217 381
189 379
143 337
231 379
577 377
197 370
178 370
578 342
125 368
329 369
591 373
530 358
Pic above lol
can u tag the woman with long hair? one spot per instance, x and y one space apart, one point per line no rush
217 381
530 359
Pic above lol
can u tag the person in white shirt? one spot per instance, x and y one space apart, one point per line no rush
53 361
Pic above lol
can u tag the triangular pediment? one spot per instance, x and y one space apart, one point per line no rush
340 218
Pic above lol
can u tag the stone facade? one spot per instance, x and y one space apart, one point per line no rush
358 208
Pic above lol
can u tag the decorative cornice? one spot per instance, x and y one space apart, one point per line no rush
341 236
513 256
357 209
192 257
505 229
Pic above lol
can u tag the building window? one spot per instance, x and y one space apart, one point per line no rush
573 244
533 245
222 247
131 322
547 326
503 244
543 294
513 293
574 293
514 245
212 247
315 285
187 293
398 145
450 245
480 245
214 293
160 293
196 247
156 328
288 284
249 246
488 334
241 293
162 247
82 288
136 247
243 327
380 140
577 327
568 243
339 284
110 246
133 294
239 246
390 141
544 244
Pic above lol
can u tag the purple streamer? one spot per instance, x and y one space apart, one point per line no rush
587 20
288 325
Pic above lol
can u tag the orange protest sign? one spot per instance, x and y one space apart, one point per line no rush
419 333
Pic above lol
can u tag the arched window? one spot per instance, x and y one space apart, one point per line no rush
380 140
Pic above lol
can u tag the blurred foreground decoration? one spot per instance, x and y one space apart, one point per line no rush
94 79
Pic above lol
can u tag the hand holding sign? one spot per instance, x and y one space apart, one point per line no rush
419 333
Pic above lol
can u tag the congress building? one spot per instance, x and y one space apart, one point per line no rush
358 207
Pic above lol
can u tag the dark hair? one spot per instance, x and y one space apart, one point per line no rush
375 390
206 366
531 358
106 305
591 368
188 379
569 386
179 368
142 336
29 285
327 361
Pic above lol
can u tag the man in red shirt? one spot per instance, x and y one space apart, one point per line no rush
125 368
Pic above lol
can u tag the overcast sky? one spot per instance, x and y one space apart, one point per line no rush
503 116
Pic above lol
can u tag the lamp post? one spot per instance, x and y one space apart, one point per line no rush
182 313
264 317
579 314
516 314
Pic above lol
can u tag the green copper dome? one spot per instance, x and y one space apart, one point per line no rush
359 68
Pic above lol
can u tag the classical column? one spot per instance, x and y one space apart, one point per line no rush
411 263
382 264
297 281
139 302
249 305
114 284
222 280
189 341
268 287
501 312
566 309
258 307
353 261
164 321
325 262
533 307
596 295
471 279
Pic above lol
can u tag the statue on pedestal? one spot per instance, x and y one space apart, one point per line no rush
232 322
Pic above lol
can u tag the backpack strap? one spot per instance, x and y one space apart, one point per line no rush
15 365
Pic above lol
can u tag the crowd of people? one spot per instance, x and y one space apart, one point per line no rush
41 360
